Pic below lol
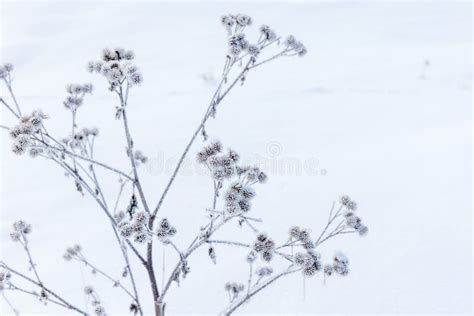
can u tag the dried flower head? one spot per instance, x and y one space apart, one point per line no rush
22 227
5 277
264 271
295 46
309 261
165 230
137 227
267 33
76 93
264 246
5 70
117 68
227 21
243 19
88 290
251 257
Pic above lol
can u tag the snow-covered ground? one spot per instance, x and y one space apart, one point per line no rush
354 109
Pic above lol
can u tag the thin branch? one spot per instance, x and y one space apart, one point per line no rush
102 206
67 304
244 299
104 274
9 87
14 310
9 108
16 288
67 152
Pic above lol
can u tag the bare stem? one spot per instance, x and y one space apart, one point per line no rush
249 295
215 101
63 301
14 310
9 87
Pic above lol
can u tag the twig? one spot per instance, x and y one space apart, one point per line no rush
67 304
244 299
14 310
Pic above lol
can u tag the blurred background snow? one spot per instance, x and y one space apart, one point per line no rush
380 109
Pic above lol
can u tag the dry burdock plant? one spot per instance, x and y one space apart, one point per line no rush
140 229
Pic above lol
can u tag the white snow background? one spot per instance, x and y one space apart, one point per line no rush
355 107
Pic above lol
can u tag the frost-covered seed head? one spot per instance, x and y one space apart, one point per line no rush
309 271
141 216
352 205
251 257
99 310
227 21
344 200
21 143
135 78
22 227
94 131
363 230
262 177
264 271
328 269
290 40
8 67
233 155
352 221
125 229
268 33
340 258
15 236
294 232
243 19
129 55
141 238
253 50
88 290
165 229
234 50
5 276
